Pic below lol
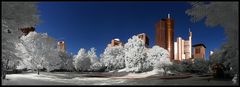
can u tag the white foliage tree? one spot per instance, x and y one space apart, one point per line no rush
135 54
164 64
15 15
20 14
97 66
135 57
92 55
81 62
67 61
113 58
224 14
43 51
26 57
158 57
87 61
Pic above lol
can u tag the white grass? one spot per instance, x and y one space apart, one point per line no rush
122 70
139 75
51 79
34 79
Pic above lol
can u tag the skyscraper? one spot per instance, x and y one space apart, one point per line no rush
27 30
183 48
115 42
164 35
145 38
61 46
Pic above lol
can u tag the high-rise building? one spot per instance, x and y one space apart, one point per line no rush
189 46
199 51
115 42
61 46
27 30
183 48
165 35
145 38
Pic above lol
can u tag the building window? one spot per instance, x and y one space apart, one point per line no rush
197 50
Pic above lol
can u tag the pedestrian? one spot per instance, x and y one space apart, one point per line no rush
235 79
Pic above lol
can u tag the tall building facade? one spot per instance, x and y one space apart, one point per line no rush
183 48
199 51
145 38
61 46
165 35
115 42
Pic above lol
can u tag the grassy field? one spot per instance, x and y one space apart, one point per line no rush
74 78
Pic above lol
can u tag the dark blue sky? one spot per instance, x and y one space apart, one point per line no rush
95 24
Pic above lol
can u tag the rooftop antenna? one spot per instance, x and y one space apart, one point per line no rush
168 16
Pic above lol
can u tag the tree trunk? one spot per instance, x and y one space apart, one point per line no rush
164 72
3 74
4 70
7 64
38 71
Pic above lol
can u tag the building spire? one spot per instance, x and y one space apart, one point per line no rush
168 16
190 33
